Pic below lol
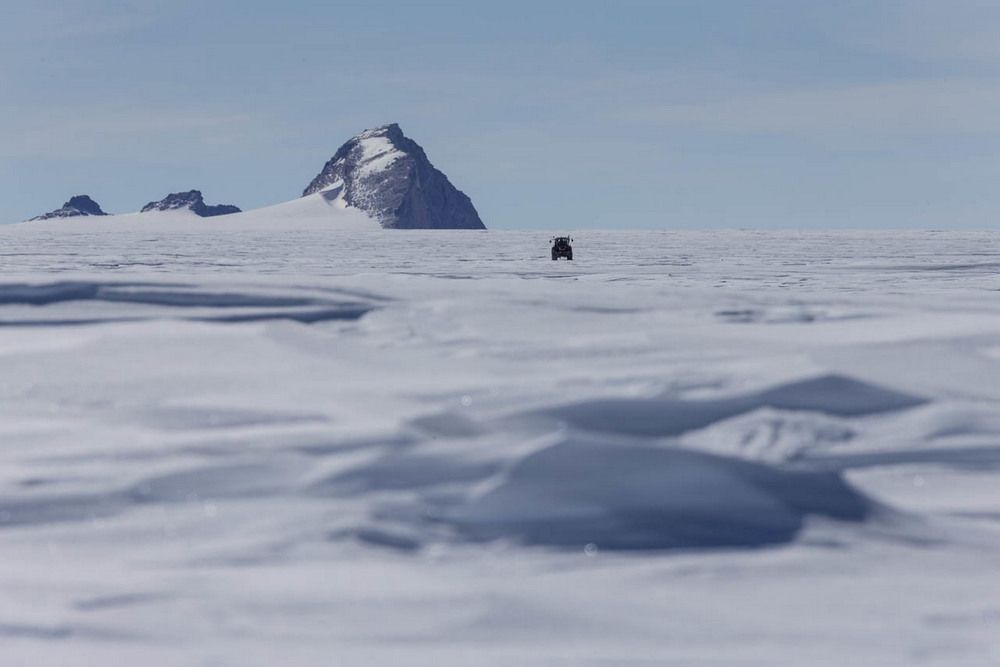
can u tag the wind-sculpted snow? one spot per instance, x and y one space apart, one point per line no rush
616 496
298 447
71 303
832 394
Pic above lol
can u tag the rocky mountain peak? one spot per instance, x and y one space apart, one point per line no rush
192 200
79 205
388 176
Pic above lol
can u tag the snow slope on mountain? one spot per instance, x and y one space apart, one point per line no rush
377 153
434 448
319 211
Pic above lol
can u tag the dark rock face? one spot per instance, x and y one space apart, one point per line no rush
387 175
192 200
79 205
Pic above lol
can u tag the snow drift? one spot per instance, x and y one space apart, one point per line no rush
831 394
618 496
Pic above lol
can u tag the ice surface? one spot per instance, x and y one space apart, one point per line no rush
302 445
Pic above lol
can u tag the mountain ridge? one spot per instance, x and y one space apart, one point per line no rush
380 176
77 206
191 200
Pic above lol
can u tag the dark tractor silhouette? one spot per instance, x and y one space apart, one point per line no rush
561 248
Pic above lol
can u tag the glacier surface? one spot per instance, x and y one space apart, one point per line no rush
307 446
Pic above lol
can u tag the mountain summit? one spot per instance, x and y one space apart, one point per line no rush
387 175
191 200
76 206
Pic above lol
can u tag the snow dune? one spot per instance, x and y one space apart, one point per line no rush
579 493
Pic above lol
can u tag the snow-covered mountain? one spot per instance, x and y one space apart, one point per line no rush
380 179
80 205
191 200
388 176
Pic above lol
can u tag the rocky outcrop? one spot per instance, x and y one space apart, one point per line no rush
191 200
80 205
388 176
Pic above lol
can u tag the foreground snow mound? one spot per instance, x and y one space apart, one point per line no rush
614 481
614 496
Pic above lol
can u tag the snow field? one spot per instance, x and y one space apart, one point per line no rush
412 448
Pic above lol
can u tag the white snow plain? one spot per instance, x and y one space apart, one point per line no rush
305 447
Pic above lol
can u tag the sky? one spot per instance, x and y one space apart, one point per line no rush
549 114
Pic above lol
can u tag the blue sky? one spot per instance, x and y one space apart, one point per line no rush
549 114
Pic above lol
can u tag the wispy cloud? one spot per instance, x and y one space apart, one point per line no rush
850 113
102 132
42 21
931 30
